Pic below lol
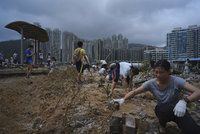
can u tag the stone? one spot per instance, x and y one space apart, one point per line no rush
129 124
116 125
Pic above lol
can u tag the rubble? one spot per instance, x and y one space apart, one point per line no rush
57 104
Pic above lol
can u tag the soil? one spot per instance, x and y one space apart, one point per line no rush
57 104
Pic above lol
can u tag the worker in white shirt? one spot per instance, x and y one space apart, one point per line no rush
123 70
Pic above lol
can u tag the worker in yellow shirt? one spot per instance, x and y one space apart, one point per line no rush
79 57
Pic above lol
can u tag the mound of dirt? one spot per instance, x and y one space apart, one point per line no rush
52 104
57 104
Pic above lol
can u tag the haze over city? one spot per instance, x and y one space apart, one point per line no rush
141 21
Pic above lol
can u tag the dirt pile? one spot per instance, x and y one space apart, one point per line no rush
52 104
56 104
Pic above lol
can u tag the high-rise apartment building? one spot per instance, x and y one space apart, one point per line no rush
56 45
111 49
46 47
69 41
107 42
184 43
53 46
155 54
118 42
88 46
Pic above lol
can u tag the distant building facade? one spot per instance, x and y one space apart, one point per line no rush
56 45
155 54
62 44
53 46
69 41
184 43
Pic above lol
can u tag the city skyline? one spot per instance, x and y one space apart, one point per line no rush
181 44
141 21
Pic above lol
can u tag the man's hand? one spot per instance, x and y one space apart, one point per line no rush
180 108
120 101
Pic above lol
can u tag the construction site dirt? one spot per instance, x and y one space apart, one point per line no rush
57 104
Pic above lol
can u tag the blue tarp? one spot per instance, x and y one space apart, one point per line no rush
194 59
190 59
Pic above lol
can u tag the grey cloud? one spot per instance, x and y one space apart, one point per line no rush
142 7
141 21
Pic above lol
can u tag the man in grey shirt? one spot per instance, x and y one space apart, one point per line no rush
170 93
171 104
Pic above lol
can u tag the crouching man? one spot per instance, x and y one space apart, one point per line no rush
171 104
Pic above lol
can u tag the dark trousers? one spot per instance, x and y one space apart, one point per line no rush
116 73
165 114
79 66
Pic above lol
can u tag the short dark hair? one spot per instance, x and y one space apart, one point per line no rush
135 70
163 63
80 43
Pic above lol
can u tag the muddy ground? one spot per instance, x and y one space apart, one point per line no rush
57 104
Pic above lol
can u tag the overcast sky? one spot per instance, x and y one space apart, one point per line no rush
141 21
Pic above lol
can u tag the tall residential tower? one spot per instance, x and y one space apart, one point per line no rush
184 43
